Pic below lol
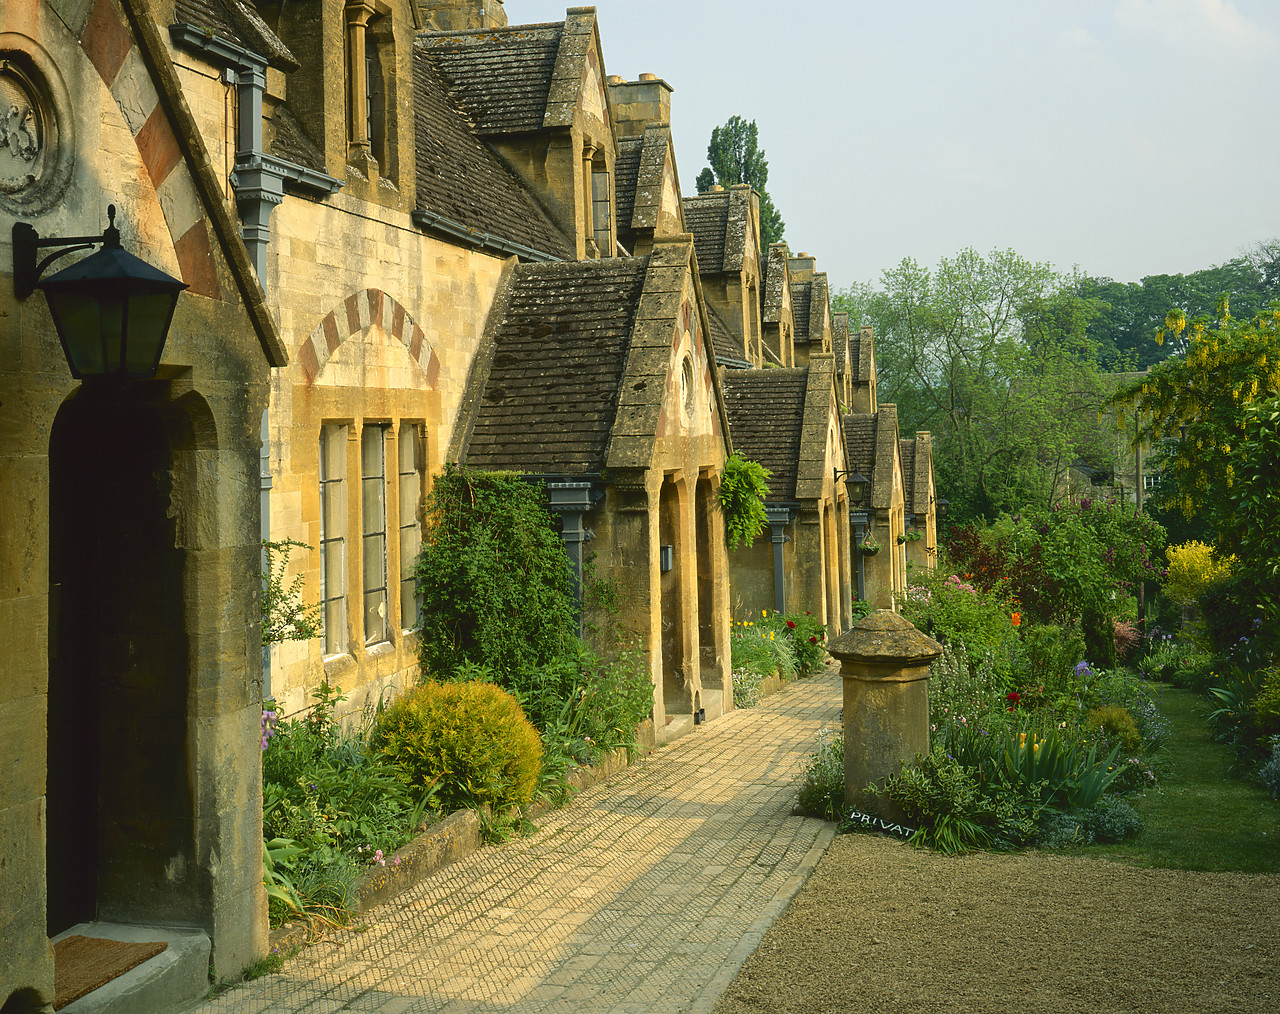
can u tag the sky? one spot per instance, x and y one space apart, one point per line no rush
1123 137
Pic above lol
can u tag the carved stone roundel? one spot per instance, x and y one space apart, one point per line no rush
35 129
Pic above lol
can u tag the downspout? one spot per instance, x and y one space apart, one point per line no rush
264 502
571 500
258 178
779 518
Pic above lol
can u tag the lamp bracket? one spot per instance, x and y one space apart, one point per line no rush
26 241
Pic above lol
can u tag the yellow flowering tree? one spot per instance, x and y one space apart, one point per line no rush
1195 405
1192 569
1217 413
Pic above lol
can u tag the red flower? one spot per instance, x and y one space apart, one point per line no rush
813 640
1013 697
791 625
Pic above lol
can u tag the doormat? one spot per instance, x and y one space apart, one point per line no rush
82 964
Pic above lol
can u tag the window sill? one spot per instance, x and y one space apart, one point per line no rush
380 649
336 664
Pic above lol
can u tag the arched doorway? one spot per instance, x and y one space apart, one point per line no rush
120 832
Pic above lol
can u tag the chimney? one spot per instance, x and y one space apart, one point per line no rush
636 104
461 15
802 266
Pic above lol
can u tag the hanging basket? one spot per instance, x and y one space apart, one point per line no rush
869 550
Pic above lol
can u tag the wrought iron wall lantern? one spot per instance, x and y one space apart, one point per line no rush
112 310
941 506
856 481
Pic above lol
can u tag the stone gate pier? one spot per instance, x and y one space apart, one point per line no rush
884 664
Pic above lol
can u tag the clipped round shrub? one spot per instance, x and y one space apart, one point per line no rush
1118 725
467 743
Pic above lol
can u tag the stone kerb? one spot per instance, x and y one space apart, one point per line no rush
884 664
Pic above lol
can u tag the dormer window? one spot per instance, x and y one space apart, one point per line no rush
374 99
370 88
601 209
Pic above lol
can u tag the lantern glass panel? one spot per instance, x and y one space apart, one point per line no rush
79 319
149 316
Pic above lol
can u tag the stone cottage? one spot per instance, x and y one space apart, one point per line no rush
597 377
130 677
789 421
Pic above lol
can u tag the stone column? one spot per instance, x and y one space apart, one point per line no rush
884 662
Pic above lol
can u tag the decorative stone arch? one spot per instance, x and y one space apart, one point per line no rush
356 313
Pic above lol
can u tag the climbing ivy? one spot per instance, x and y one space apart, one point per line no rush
743 488
492 575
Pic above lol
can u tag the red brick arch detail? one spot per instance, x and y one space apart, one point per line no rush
108 43
359 311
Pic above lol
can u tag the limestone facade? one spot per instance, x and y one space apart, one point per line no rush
130 681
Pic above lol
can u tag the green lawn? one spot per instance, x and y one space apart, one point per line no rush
1199 817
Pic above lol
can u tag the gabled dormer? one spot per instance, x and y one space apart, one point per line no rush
811 307
777 308
726 229
351 100
536 94
647 188
843 364
862 378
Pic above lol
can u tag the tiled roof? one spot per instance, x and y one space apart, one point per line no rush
727 347
907 448
840 340
775 282
861 350
292 143
626 171
707 216
860 445
551 396
766 418
882 474
461 179
237 22
801 293
500 77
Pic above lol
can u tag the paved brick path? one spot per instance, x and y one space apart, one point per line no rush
645 895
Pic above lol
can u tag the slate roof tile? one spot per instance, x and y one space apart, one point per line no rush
860 445
766 420
707 217
840 340
907 448
461 179
626 172
801 294
726 345
500 77
551 397
292 143
237 22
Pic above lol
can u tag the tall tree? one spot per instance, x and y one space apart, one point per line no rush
990 354
1131 312
736 157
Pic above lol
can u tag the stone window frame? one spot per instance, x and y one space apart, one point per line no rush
333 536
375 594
371 88
411 435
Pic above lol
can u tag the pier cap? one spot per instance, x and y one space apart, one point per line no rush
883 637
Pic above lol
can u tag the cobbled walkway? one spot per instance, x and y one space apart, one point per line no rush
645 895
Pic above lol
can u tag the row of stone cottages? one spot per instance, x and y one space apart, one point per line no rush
408 233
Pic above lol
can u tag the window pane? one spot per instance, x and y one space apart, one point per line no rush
373 492
333 534
410 494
